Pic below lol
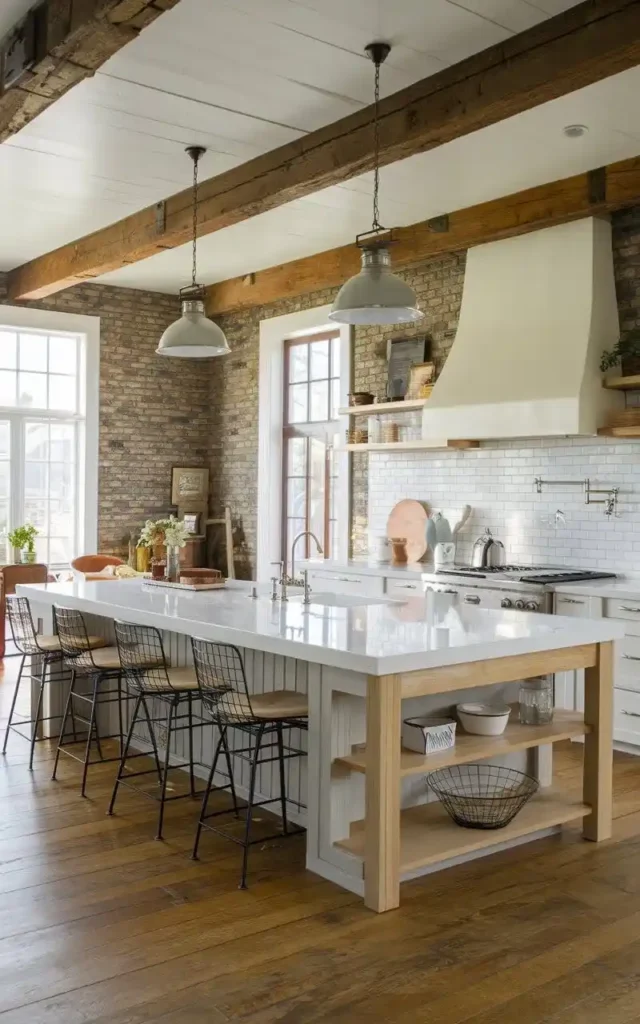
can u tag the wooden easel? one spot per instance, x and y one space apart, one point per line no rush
228 537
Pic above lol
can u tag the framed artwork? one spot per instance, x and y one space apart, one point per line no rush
189 486
421 378
191 522
402 354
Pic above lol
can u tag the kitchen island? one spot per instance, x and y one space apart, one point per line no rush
366 663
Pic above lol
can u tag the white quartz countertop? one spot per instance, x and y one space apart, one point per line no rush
378 637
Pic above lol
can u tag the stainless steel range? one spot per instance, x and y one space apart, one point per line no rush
525 587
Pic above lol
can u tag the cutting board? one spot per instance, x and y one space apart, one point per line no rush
409 519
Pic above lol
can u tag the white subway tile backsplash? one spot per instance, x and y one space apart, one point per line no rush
497 480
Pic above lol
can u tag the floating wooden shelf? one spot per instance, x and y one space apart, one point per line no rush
566 725
623 383
428 835
408 446
633 430
384 408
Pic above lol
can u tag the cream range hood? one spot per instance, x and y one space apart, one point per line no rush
537 312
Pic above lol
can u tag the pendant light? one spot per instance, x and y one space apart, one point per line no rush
375 295
193 336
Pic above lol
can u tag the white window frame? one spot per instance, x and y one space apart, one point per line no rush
87 421
273 334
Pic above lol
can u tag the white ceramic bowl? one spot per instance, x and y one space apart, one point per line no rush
483 719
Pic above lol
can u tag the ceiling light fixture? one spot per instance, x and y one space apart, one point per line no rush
193 336
375 295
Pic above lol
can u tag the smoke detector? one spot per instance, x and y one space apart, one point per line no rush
575 131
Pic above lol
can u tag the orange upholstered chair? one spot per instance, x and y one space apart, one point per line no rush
94 563
9 576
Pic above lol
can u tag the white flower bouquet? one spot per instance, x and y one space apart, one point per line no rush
170 532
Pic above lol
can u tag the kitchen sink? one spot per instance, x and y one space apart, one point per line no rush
343 600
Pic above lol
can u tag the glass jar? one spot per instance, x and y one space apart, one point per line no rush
158 567
536 701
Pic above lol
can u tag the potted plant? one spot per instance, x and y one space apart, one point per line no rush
165 534
626 352
22 540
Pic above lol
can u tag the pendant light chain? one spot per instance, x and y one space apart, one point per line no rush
196 157
376 150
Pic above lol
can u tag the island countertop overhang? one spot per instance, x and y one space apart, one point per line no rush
377 639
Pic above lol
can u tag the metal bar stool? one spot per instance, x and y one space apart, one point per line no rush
225 695
149 675
31 645
89 657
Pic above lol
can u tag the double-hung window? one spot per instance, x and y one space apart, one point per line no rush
310 473
42 418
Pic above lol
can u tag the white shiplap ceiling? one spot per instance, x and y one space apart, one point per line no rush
244 76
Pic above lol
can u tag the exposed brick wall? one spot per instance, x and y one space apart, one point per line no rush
626 262
154 412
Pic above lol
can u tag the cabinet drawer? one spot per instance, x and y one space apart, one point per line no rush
576 607
628 610
626 716
404 588
627 673
347 583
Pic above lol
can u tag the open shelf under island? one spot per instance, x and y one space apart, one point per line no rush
365 664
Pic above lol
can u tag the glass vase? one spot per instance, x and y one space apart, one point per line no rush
173 563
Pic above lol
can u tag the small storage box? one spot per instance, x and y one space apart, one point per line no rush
428 735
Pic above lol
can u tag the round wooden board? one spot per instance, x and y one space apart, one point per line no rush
409 519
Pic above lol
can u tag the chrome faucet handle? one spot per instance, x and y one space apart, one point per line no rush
274 588
307 589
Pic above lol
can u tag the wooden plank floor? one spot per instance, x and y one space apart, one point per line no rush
99 923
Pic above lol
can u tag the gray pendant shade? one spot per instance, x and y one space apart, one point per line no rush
375 295
193 336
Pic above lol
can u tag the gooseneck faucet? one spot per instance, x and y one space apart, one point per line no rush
305 533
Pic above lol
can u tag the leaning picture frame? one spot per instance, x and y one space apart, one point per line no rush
402 354
191 522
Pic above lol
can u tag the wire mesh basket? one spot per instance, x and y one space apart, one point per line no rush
482 795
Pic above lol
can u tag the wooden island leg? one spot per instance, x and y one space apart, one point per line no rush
382 795
598 745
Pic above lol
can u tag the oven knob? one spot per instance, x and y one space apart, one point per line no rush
506 602
519 605
532 606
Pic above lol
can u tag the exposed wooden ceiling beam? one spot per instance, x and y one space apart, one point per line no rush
583 195
65 41
585 44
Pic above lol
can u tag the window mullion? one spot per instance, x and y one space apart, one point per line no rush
18 429
307 524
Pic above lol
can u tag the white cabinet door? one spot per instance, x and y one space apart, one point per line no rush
626 716
569 686
346 583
